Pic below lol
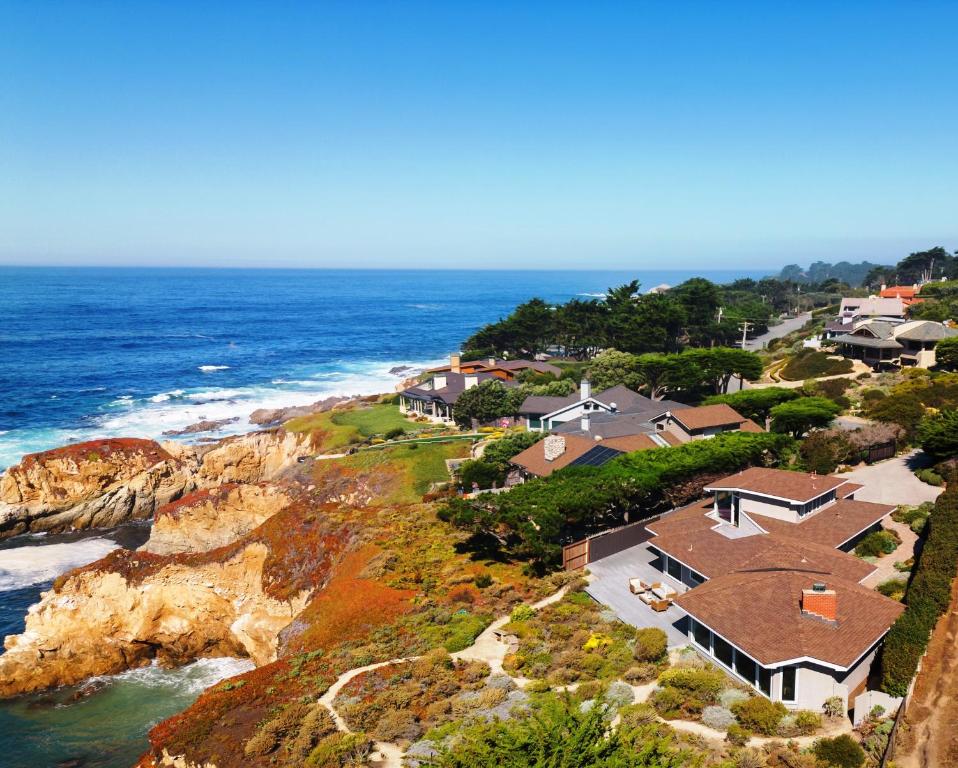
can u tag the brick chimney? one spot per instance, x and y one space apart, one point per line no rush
553 447
821 602
454 363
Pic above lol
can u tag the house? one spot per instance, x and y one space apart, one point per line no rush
686 424
436 398
907 293
503 369
558 451
853 311
769 588
550 413
883 344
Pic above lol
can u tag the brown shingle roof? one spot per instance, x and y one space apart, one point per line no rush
760 612
705 416
833 524
783 484
533 459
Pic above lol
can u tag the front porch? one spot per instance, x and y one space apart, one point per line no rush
609 585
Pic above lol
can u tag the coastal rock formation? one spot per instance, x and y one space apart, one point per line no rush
100 483
234 598
268 417
206 425
211 518
250 458
135 608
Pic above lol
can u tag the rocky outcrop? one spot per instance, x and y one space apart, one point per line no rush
251 458
206 425
105 620
211 518
268 417
100 483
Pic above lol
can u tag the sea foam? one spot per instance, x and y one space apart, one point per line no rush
28 565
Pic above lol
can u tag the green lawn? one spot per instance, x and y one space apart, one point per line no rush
405 472
341 428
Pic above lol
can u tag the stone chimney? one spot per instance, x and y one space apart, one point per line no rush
821 602
553 447
884 287
471 380
585 423
454 363
585 389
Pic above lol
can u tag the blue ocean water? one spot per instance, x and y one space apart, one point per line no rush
135 352
89 353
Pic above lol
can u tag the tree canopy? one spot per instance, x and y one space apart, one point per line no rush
796 417
625 319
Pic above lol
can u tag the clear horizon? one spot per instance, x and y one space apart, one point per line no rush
542 136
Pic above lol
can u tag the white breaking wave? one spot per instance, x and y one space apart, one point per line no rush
176 409
210 368
593 295
193 678
26 566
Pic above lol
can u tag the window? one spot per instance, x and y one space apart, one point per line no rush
702 635
788 684
745 667
674 568
535 423
723 651
765 681
696 578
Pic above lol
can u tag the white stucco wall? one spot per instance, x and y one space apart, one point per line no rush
767 508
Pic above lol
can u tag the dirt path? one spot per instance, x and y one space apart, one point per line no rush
487 648
928 737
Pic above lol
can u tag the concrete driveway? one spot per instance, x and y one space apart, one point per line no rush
893 481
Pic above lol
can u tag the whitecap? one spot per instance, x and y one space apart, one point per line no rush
211 368
193 678
28 565
593 295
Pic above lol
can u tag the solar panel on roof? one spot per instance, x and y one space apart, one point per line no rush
596 457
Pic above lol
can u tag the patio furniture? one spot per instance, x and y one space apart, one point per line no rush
636 586
663 591
660 605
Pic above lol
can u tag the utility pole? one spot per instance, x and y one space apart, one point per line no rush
745 328
721 310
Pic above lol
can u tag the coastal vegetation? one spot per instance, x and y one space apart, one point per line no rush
687 315
531 521
927 597
342 427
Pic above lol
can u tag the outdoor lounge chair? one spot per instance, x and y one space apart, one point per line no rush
637 586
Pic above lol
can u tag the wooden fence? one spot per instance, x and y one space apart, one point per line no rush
580 553
881 451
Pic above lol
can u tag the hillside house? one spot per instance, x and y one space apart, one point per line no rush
769 589
882 344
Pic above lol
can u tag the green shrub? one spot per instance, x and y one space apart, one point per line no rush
876 544
395 432
810 364
893 588
704 683
797 417
737 735
669 702
483 580
651 644
759 714
938 434
928 475
522 613
754 403
807 722
927 597
480 473
841 752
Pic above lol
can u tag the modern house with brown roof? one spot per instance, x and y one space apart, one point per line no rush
883 344
503 369
436 398
770 591
687 424
557 451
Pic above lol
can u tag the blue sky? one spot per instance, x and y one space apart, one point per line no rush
483 134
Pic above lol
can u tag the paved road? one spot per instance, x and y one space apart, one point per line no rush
893 481
776 332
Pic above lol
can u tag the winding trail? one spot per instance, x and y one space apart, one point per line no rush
487 647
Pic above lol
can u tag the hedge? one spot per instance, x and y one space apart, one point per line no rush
531 520
927 598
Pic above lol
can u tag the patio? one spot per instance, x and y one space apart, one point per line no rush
609 584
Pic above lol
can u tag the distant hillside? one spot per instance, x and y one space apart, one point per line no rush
819 271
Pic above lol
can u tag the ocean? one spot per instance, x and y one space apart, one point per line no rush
98 352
